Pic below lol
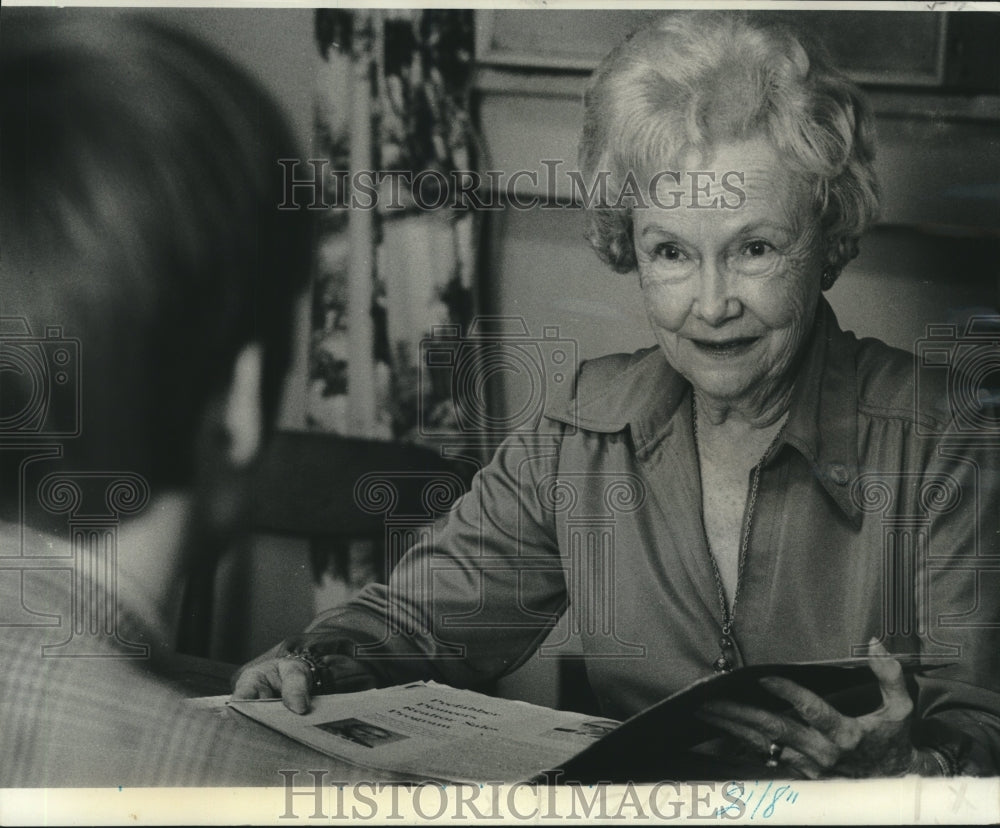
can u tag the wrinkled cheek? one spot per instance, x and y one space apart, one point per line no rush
666 308
786 301
791 331
786 316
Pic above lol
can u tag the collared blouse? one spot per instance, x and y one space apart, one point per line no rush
877 515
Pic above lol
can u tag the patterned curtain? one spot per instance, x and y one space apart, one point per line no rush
393 96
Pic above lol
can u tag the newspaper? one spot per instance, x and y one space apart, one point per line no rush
435 731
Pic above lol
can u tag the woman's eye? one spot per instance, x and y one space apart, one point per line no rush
756 249
670 252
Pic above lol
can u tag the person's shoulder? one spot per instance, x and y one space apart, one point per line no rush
42 584
608 382
600 371
896 383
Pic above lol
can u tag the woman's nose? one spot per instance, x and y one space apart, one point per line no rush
714 302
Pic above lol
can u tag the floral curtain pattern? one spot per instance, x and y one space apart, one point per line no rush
386 278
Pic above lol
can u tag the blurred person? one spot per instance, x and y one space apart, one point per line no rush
751 461
138 191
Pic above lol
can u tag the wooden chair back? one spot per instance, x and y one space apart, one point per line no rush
332 490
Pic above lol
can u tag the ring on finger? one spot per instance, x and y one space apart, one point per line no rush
774 752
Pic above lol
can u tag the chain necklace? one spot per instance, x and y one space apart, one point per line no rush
724 663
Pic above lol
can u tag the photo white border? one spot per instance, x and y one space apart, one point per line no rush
911 800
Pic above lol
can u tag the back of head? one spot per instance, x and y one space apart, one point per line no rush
691 80
139 187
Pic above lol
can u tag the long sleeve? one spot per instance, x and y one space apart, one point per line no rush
475 596
107 721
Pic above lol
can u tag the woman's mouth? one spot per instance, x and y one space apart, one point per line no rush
725 348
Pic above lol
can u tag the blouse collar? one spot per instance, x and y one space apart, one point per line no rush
641 392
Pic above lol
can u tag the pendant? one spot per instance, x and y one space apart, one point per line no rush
723 664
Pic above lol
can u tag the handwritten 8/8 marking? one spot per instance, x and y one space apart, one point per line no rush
744 799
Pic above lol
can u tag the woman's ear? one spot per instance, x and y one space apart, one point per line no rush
243 414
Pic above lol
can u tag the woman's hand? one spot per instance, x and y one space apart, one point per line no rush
270 677
300 667
820 741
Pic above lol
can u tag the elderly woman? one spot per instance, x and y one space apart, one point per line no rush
758 488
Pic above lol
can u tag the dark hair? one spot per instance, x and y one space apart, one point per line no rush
690 79
139 192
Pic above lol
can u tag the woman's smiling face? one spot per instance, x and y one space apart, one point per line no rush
731 289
